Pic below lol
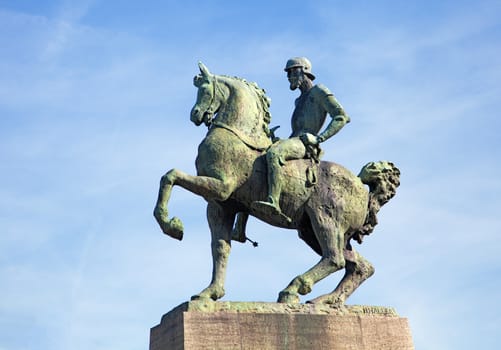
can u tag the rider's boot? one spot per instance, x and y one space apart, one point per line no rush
238 233
271 206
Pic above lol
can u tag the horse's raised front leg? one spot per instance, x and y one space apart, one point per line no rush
331 241
172 227
220 223
208 187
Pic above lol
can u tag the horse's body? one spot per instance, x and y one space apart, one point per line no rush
231 174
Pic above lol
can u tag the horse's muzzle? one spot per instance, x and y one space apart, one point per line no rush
196 116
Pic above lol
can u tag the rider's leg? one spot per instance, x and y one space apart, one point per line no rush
277 155
238 233
275 161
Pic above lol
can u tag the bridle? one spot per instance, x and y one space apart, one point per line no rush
208 119
209 113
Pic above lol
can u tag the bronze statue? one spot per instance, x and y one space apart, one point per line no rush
326 203
308 118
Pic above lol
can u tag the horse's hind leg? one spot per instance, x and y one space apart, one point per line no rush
358 269
220 223
331 240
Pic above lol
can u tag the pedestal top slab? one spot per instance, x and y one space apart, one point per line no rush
280 308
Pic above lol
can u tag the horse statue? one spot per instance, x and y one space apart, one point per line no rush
231 174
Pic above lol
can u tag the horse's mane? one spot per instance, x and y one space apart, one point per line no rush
264 100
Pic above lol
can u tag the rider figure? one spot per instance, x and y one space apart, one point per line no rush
311 109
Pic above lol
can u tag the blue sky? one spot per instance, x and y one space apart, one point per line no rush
94 108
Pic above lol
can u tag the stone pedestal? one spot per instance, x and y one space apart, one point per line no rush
261 326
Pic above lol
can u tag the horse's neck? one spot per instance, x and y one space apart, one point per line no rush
242 110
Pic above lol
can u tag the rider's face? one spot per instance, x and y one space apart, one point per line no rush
295 76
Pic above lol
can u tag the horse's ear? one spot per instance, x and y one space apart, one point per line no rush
198 80
203 69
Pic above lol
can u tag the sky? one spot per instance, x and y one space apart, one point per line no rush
94 108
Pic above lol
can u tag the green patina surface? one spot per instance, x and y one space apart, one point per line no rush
243 169
282 308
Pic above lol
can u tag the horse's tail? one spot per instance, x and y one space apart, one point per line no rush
383 178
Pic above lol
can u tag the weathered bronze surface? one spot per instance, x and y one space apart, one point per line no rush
207 305
243 169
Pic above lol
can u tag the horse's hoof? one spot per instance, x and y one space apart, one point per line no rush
327 300
305 286
173 228
288 298
176 228
271 210
201 298
209 294
238 236
323 299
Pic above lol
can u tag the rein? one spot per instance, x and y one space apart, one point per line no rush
248 142
210 109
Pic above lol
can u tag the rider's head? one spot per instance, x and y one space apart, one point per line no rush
298 68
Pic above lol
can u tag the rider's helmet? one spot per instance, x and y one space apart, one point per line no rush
302 62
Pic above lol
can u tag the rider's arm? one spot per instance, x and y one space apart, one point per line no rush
336 111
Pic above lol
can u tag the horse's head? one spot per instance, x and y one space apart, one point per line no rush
207 103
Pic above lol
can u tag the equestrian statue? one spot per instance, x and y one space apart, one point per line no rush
243 169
